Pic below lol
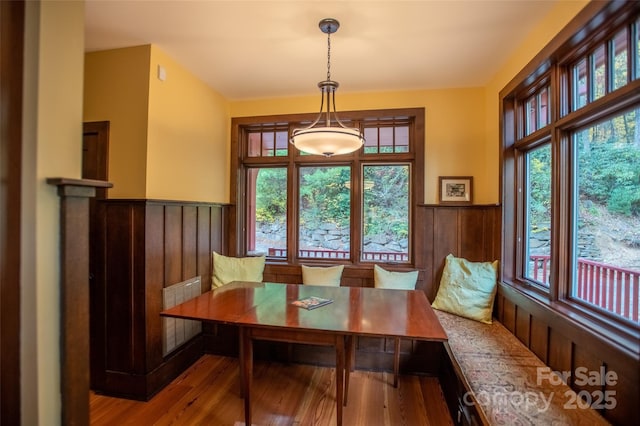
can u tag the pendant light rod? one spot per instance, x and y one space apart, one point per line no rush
328 140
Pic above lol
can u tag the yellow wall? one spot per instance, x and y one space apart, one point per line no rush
168 139
116 89
454 123
543 33
52 147
188 138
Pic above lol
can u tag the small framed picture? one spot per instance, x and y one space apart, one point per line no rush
456 189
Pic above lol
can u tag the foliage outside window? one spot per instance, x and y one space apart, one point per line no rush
299 206
538 215
571 185
267 210
386 212
324 219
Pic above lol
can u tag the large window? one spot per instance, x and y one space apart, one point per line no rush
538 215
355 208
571 175
386 212
266 210
324 214
606 221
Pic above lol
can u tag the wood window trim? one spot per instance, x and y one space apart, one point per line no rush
238 158
555 60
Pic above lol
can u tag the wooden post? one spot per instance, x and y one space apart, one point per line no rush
74 295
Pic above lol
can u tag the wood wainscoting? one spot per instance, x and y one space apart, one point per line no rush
471 232
565 346
142 247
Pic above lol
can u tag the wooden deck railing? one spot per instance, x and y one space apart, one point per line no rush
338 254
615 289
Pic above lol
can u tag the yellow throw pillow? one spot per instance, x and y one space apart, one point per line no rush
228 269
394 280
327 276
467 289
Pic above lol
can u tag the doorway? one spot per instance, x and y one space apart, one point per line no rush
95 165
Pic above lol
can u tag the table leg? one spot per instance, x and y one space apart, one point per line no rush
246 370
396 360
340 371
240 359
350 343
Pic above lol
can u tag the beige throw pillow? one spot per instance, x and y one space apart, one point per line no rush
394 280
467 289
227 269
326 276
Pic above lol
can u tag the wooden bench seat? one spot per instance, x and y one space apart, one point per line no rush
503 379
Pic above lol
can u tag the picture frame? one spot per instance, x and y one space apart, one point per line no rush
455 190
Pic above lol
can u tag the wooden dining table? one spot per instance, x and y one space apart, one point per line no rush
265 311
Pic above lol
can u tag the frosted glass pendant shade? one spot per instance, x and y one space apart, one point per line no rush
327 141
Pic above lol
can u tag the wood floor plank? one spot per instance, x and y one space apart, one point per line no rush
433 397
208 393
208 402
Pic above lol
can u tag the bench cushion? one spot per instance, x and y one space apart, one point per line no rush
502 373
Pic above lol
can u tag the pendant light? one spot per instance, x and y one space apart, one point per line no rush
321 138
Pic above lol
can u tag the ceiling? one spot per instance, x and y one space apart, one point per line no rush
263 48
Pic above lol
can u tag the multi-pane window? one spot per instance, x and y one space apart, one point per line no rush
268 141
346 208
606 219
572 183
386 136
605 68
536 111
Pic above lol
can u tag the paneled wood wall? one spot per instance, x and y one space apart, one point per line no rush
142 247
471 232
565 346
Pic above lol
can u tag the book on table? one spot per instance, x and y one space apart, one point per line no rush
311 302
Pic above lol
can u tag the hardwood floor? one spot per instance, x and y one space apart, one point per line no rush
208 394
